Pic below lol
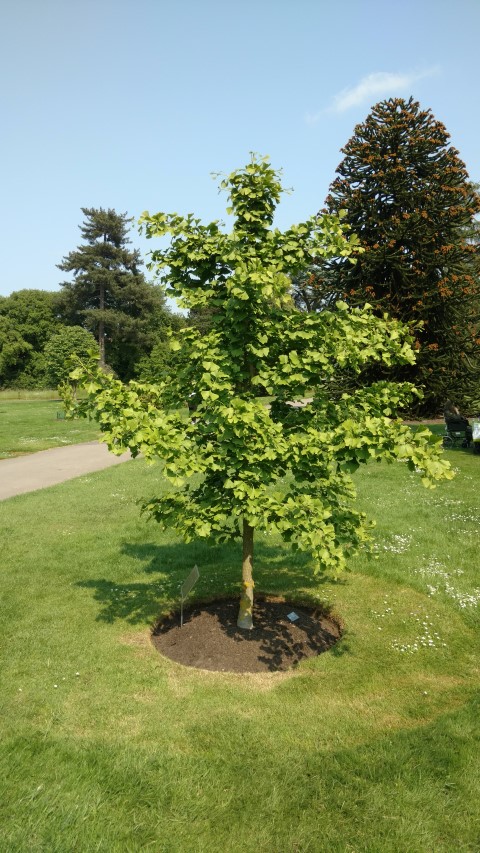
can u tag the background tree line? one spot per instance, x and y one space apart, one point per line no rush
405 193
107 306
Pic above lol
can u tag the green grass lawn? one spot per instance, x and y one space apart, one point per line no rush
30 425
106 746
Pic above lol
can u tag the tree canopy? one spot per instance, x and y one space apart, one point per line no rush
27 319
238 465
409 200
67 341
14 352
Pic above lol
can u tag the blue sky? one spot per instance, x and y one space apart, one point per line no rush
132 104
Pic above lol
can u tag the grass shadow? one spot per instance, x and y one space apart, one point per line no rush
277 571
133 602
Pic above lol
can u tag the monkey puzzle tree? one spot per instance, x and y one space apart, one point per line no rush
315 289
258 467
409 200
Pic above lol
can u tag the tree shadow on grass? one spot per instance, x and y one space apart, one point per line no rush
277 571
133 602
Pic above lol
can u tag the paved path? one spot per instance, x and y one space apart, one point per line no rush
49 467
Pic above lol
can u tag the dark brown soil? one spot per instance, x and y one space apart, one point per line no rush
211 640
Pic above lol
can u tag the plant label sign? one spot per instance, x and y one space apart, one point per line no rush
186 587
190 582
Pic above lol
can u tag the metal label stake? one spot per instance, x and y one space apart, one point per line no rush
187 587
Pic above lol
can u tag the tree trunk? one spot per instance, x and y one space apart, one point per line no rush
246 601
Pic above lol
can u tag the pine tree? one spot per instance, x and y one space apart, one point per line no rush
409 200
109 294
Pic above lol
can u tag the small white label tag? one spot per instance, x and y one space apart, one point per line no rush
292 616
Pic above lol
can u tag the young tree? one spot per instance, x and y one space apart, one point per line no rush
109 294
259 467
409 200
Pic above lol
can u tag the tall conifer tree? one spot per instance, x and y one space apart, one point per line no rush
409 200
109 294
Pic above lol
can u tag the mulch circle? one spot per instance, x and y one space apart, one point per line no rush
211 640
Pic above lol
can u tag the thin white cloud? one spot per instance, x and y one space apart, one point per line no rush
381 83
313 118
